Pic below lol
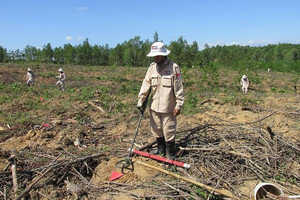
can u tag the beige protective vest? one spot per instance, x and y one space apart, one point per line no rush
167 87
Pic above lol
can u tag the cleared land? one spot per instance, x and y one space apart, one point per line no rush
232 141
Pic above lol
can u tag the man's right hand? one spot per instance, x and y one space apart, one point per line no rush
140 108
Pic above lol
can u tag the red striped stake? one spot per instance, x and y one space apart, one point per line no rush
148 155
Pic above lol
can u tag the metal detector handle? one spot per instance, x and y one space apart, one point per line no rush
135 134
142 110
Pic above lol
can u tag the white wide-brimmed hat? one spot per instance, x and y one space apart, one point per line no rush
158 49
29 69
244 76
61 70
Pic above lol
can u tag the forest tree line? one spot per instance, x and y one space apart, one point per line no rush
278 57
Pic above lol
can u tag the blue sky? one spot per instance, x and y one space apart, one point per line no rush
212 22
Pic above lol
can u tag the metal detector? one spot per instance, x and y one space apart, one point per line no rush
127 162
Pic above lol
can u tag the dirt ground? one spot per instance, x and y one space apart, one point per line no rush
116 133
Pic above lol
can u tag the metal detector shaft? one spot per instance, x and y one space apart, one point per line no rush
127 162
135 134
124 164
144 105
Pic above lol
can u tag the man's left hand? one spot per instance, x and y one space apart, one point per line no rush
176 112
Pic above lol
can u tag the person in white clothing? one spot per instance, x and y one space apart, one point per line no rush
164 80
61 79
30 77
244 83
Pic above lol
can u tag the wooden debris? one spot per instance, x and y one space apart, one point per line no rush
209 188
98 107
13 161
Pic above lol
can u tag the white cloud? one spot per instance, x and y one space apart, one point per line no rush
79 38
250 42
259 42
82 8
69 38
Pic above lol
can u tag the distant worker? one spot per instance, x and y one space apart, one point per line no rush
244 83
61 79
164 77
269 70
30 77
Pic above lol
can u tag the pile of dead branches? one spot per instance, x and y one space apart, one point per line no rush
227 154
42 168
222 155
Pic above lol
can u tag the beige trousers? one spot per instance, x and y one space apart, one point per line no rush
163 125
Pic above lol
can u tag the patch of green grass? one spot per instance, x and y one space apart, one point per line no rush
203 193
2 86
81 117
273 89
280 178
34 104
191 103
47 75
85 94
282 91
16 87
119 79
106 149
17 118
79 78
129 88
120 107
5 99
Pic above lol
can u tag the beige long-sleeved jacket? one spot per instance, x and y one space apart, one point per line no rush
167 87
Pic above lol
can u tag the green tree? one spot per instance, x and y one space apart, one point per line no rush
100 55
30 53
278 55
3 54
47 53
144 51
206 55
177 48
132 52
155 37
69 54
190 54
96 55
116 56
58 55
84 53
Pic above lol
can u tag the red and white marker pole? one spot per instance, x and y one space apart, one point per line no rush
173 162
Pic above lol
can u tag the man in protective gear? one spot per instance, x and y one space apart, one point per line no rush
61 80
30 77
244 83
164 80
